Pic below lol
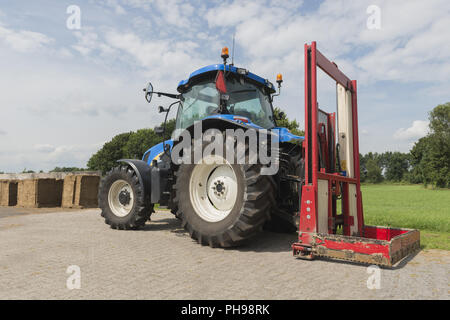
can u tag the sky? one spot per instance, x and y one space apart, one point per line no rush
67 88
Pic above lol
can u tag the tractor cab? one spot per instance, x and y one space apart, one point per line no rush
218 90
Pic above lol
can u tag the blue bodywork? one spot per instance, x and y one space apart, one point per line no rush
284 135
154 152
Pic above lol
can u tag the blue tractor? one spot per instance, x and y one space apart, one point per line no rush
223 203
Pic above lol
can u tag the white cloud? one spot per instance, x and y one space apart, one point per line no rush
114 4
231 14
119 10
418 129
44 148
46 157
171 13
165 60
24 40
89 43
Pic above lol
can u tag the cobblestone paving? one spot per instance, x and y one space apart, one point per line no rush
162 262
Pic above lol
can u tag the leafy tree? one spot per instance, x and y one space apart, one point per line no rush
396 166
283 121
362 167
367 162
440 120
430 156
106 157
437 160
373 171
143 139
130 145
393 166
139 142
416 155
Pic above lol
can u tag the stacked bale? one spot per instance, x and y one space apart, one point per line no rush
68 190
35 193
80 191
8 193
68 195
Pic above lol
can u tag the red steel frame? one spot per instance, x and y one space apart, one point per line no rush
313 59
388 244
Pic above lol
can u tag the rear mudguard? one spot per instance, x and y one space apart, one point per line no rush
153 180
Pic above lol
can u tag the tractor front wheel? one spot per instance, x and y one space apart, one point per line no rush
122 200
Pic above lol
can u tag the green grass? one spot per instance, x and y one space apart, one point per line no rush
410 206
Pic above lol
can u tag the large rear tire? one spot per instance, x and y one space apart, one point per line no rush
122 200
223 204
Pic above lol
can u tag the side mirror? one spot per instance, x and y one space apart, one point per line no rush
148 92
159 130
161 109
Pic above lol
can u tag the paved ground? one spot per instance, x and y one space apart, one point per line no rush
162 262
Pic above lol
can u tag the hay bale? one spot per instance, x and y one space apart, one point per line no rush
68 195
13 193
80 191
88 186
3 192
26 193
8 193
39 193
59 183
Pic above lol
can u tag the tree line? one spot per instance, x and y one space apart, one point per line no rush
428 162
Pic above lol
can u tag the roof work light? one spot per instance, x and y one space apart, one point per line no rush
225 54
279 79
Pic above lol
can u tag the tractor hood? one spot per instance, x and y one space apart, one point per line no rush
184 84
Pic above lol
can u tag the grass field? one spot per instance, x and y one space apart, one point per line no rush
410 206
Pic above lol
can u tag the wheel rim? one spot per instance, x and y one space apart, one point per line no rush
213 189
121 198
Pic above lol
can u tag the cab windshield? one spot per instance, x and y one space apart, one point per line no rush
243 99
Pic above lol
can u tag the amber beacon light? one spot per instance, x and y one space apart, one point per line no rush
225 54
279 78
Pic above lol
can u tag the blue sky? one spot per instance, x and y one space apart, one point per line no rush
65 92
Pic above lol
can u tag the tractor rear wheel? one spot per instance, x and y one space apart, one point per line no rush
122 200
222 204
